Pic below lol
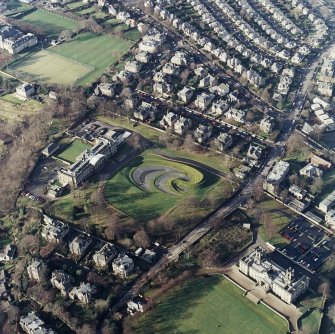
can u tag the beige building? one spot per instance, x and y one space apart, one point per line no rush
282 282
84 293
123 265
103 257
37 270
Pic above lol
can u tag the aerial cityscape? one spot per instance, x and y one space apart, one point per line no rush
167 166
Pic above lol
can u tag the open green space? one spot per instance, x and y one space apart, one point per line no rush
210 305
148 202
273 217
16 6
51 24
96 51
73 5
49 68
71 152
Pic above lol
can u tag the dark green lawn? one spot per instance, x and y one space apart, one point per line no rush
51 24
210 305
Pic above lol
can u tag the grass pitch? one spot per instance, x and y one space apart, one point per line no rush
48 68
93 50
126 195
72 151
51 24
209 305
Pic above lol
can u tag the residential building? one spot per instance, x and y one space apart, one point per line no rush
168 120
25 91
204 100
149 255
123 265
105 89
330 218
80 244
254 152
8 253
180 58
54 230
208 81
37 270
103 257
84 293
132 66
61 281
276 176
320 162
162 88
297 192
146 112
185 94
272 277
328 203
143 57
182 125
50 149
137 304
13 40
311 171
219 107
223 141
202 133
32 324
236 115
267 124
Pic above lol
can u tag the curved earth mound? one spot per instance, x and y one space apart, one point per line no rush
169 180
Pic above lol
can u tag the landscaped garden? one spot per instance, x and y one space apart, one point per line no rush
150 185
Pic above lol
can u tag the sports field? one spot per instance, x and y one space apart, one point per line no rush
51 24
49 68
210 305
92 50
71 151
149 186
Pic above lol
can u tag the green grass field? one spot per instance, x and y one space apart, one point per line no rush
210 305
36 67
92 50
51 24
278 215
127 196
71 151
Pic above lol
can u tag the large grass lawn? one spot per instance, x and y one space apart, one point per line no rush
71 152
92 50
209 306
48 68
51 24
126 195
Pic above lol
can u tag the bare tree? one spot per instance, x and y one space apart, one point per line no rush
142 239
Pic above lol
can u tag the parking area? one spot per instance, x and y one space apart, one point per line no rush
90 130
310 245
